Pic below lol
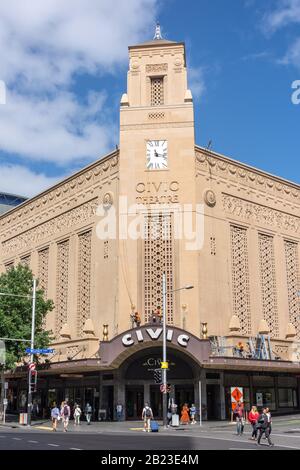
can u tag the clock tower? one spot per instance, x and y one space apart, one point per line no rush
157 181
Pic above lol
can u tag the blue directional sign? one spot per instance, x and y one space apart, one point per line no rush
39 351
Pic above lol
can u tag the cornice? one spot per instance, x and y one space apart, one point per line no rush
63 190
244 174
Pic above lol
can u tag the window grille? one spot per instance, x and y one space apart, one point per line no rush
157 91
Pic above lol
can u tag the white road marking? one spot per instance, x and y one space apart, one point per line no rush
33 442
234 440
74 448
16 438
240 448
53 445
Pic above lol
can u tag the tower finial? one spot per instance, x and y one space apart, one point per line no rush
157 32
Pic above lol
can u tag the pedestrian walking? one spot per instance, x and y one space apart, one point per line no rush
147 415
253 418
119 410
268 412
264 427
88 413
55 416
185 416
239 418
65 413
77 414
193 413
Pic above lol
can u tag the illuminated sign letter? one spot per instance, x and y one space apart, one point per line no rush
154 334
183 340
127 340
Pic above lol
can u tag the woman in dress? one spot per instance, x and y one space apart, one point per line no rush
185 416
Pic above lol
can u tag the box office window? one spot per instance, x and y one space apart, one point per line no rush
287 398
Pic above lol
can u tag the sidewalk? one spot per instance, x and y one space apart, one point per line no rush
283 422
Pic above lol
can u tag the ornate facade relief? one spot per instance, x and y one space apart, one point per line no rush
293 283
156 68
22 218
251 212
238 174
43 268
62 278
54 226
25 260
240 278
268 282
84 280
158 258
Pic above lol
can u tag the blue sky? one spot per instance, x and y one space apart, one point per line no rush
65 62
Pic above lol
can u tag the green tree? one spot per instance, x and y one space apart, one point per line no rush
16 315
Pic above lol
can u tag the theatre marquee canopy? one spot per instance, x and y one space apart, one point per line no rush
113 353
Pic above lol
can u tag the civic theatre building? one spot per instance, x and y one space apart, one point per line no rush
100 241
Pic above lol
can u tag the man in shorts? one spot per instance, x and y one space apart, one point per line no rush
147 415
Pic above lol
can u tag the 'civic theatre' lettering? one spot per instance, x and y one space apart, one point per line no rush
154 334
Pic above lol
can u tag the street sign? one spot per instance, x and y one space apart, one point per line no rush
5 401
31 366
237 395
6 386
39 351
164 365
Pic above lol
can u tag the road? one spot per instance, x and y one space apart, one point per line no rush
20 439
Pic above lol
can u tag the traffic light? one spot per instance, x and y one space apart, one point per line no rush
33 380
158 376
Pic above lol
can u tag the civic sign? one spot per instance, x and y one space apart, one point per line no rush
154 334
39 351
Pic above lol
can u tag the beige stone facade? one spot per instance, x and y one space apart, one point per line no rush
246 274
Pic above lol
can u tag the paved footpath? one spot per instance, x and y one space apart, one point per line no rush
130 435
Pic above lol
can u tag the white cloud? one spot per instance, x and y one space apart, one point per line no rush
57 129
196 81
43 45
292 56
19 179
288 11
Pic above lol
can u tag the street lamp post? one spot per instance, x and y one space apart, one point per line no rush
33 297
164 370
29 401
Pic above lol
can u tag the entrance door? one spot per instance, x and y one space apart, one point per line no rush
134 396
156 401
184 394
213 401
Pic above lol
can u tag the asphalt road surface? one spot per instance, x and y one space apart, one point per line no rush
23 440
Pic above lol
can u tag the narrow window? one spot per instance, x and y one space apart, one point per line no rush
157 91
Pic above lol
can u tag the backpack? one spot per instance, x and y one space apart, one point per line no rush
66 410
148 412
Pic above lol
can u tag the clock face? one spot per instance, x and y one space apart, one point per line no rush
157 155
